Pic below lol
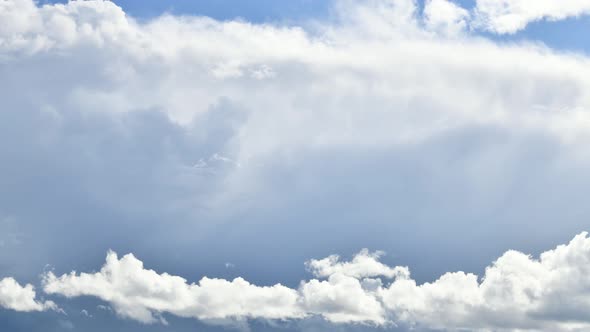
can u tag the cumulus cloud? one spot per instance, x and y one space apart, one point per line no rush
363 265
138 293
516 292
510 16
15 297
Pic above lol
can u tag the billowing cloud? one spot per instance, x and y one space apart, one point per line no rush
516 292
138 293
15 297
510 16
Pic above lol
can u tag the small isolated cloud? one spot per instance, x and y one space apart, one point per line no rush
85 313
516 292
364 265
104 307
15 297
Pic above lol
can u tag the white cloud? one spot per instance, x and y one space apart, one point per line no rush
510 16
341 299
364 265
517 292
376 54
21 298
31 28
142 294
138 293
445 16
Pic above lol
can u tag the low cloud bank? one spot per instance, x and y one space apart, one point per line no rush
516 291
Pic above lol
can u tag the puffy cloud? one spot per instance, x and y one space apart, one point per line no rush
138 293
30 28
21 298
516 292
364 265
342 299
510 16
142 294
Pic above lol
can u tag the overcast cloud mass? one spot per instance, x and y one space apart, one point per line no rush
241 167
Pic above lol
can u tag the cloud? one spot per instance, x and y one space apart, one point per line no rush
510 16
236 138
137 293
365 264
516 292
445 16
15 297
498 16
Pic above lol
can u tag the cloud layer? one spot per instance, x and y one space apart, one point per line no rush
516 292
383 126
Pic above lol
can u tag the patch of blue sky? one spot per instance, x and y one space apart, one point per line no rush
568 35
256 11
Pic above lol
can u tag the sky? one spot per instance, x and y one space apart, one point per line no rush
252 11
565 34
377 165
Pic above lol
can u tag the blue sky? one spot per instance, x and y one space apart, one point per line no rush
256 11
313 165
